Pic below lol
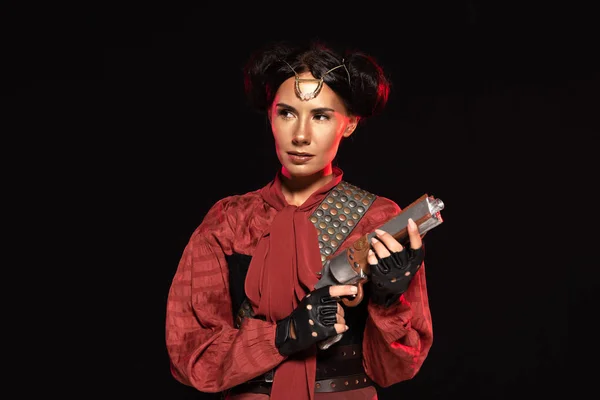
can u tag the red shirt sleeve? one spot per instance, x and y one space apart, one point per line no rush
396 340
204 348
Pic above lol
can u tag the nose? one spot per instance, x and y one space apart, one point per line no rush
302 134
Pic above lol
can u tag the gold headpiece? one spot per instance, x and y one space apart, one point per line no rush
319 82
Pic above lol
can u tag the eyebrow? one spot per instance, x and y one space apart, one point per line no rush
314 110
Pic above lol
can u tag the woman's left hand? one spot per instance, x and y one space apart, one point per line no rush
392 265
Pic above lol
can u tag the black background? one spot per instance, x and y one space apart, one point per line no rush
132 123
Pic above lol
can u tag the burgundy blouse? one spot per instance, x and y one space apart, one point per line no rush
207 352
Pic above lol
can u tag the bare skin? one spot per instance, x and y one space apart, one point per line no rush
314 127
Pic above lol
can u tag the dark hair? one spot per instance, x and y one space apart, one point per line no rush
364 96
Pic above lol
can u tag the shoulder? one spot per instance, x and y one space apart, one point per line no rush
237 202
376 201
231 208
380 209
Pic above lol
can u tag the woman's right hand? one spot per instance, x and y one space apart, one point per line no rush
318 317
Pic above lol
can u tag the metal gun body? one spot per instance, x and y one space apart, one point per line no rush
346 268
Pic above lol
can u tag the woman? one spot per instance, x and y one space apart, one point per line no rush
243 315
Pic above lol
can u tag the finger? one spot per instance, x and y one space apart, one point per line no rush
414 235
325 311
342 290
371 257
388 240
341 320
379 248
402 258
341 310
341 328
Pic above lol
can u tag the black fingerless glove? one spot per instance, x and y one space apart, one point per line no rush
391 275
313 320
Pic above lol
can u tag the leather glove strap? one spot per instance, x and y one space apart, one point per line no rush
313 321
392 275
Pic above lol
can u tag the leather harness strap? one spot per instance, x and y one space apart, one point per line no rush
338 214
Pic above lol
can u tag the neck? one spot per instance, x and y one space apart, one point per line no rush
296 189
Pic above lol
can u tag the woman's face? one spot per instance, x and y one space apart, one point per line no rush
308 133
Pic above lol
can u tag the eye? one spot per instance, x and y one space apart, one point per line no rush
321 117
285 113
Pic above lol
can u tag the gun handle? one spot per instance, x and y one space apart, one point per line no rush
356 299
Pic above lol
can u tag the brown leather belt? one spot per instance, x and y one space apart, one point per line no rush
339 384
334 373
